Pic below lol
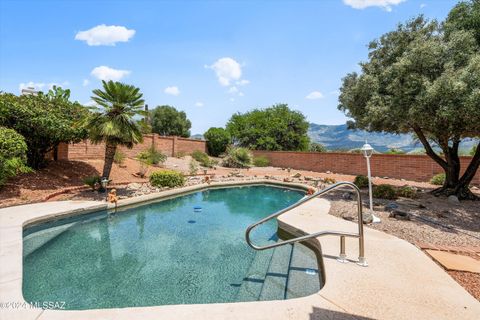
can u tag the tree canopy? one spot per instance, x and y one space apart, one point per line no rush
168 121
218 140
423 80
274 128
44 121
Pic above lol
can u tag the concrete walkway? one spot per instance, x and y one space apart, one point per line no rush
401 282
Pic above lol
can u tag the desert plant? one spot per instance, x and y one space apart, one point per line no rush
92 181
317 147
151 156
167 178
407 192
329 180
261 161
193 167
218 140
13 154
238 158
438 179
180 154
114 123
361 181
119 157
395 151
202 158
384 191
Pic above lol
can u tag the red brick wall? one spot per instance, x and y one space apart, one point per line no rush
410 167
167 145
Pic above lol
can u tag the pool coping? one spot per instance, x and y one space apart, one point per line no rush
443 299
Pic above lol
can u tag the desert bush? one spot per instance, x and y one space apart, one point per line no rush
218 140
119 157
202 158
193 167
329 180
167 178
180 154
438 179
395 151
13 154
384 191
151 156
361 181
92 181
261 161
317 147
407 192
238 158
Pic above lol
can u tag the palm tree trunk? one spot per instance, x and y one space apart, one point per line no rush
110 150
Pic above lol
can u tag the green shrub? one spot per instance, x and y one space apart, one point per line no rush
119 157
180 154
218 140
13 155
238 158
202 158
395 151
407 192
151 156
91 181
193 167
438 179
384 191
473 150
261 161
317 147
167 178
361 181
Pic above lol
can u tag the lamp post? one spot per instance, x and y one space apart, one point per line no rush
367 152
104 183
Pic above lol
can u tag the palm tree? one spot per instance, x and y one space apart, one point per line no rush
113 123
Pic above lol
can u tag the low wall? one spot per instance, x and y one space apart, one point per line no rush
167 145
409 167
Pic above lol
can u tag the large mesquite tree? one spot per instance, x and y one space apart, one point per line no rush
423 78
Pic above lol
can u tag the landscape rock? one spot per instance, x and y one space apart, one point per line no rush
347 196
367 218
391 206
399 215
453 199
297 175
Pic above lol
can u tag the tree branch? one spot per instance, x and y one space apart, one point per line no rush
472 167
428 148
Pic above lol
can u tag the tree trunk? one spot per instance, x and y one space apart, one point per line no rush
110 150
453 185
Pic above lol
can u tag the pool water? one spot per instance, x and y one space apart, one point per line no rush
185 250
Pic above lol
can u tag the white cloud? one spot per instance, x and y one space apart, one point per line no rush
90 103
423 5
199 104
232 90
335 92
107 73
35 85
85 82
227 70
38 86
173 90
232 99
103 35
362 4
240 94
314 95
242 82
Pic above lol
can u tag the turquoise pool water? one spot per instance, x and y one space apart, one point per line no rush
190 249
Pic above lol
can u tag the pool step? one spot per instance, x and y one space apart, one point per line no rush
253 281
303 274
277 274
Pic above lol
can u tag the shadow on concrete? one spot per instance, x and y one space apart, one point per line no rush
324 314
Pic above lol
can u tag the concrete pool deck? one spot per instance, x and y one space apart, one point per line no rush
401 282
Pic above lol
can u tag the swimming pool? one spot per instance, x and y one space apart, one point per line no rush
185 250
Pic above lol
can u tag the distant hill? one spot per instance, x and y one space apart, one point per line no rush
340 137
197 136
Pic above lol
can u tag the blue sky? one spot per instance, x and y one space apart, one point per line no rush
208 58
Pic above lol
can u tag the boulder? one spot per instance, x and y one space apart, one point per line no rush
453 200
391 206
399 215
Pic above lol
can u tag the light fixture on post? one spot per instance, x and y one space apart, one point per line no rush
367 152
104 183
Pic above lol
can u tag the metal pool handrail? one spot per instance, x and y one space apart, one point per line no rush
361 245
